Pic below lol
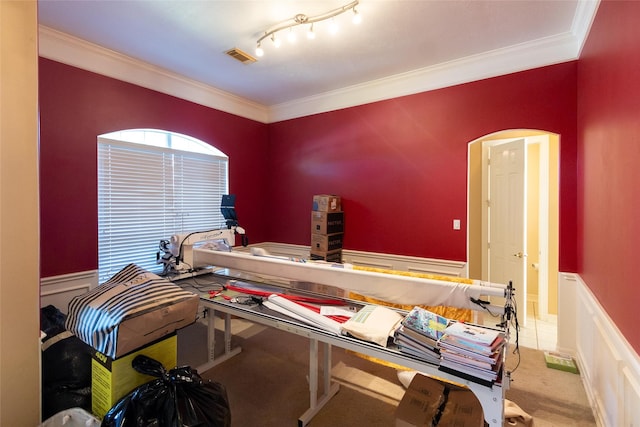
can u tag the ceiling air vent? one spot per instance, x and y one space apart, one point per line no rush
241 56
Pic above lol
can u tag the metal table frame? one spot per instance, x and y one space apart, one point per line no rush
490 398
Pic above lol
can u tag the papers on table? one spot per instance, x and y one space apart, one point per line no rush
304 314
371 323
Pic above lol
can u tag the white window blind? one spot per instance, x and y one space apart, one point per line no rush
147 193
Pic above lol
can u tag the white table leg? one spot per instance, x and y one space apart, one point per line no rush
330 390
211 341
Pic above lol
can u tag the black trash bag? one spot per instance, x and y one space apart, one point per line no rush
176 398
65 366
66 362
52 321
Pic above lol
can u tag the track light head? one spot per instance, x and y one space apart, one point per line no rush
302 19
357 18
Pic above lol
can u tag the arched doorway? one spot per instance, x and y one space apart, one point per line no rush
540 253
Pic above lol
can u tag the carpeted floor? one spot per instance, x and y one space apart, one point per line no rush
550 396
267 383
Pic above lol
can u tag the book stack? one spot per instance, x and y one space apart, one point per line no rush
471 351
419 333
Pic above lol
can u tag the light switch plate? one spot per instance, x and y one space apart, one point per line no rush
456 224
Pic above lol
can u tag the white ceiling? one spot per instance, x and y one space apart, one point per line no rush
401 46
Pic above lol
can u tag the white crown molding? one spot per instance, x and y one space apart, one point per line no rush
548 51
585 14
70 50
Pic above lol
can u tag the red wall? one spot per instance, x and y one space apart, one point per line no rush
401 165
75 107
609 155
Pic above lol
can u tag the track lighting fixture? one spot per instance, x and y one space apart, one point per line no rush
302 19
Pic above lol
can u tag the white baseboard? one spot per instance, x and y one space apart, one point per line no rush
59 290
609 366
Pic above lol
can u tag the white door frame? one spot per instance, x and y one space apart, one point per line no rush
543 140
543 223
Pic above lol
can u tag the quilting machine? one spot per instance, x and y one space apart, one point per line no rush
398 289
176 253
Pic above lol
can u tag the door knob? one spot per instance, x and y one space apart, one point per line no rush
520 255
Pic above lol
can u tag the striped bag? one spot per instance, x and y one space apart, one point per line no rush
133 308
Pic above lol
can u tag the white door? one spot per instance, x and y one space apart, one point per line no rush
507 219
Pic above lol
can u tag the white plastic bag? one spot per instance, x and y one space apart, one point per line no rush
74 417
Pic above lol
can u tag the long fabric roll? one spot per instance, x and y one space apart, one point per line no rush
308 315
460 314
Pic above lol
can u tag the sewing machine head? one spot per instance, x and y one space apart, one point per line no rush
176 253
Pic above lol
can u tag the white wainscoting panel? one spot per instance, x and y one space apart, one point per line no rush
630 404
609 366
59 290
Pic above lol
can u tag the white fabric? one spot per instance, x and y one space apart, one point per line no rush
514 415
308 315
405 377
397 289
374 324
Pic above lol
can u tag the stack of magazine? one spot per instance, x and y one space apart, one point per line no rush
419 333
471 351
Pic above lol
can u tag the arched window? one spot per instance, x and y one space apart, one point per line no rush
152 184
